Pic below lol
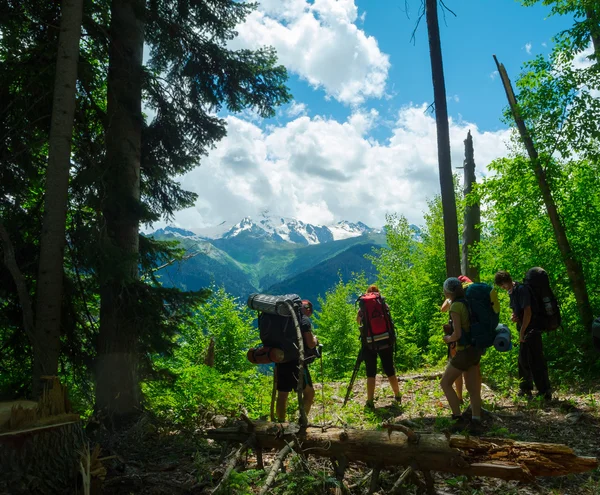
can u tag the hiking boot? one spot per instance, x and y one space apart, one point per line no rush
459 423
398 399
370 404
526 394
475 427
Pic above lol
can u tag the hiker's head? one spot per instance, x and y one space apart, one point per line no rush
372 288
307 307
503 279
453 288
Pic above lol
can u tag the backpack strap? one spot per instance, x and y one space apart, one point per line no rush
463 337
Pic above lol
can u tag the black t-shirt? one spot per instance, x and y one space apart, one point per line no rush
520 298
305 325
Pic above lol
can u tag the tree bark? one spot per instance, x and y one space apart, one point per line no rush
494 457
17 275
594 19
42 459
117 390
573 267
46 348
472 219
443 141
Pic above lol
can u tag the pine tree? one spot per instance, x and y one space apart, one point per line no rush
190 76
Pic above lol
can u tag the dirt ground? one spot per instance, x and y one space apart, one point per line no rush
153 459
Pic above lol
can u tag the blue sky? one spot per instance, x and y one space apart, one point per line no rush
357 143
480 29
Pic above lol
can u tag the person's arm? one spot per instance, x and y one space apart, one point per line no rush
445 306
310 340
525 323
457 333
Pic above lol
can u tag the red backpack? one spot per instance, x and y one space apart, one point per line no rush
377 329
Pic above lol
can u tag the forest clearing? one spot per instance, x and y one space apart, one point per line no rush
411 217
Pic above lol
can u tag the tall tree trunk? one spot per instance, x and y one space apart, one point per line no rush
574 270
593 16
471 232
117 390
443 141
46 347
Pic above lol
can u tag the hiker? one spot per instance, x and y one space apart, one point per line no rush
377 344
532 363
458 384
287 373
467 357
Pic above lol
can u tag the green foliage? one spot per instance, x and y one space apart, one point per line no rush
517 234
222 319
337 327
411 274
186 388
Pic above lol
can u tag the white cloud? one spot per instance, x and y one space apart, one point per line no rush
320 170
320 42
494 75
582 60
296 109
527 47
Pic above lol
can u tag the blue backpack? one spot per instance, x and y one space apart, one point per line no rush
482 302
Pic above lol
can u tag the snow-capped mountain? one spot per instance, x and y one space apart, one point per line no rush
279 229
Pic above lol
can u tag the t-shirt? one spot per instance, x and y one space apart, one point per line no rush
305 325
462 310
520 298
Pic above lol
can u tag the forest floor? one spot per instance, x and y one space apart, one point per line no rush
157 459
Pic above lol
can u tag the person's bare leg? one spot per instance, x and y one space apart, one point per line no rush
473 383
281 405
458 384
308 396
394 384
370 388
449 377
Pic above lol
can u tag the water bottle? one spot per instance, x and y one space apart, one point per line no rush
548 306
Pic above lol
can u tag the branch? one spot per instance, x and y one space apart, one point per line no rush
283 453
174 260
421 15
234 460
11 263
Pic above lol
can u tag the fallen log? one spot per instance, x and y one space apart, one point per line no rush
493 457
422 376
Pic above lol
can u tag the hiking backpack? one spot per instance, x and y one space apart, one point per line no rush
377 330
544 306
277 330
483 313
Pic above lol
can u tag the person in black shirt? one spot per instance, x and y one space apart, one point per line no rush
532 363
287 373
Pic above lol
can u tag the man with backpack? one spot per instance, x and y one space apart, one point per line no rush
530 324
378 339
287 372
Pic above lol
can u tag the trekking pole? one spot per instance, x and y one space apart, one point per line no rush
303 418
322 385
359 360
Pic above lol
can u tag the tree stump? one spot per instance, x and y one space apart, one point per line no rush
41 444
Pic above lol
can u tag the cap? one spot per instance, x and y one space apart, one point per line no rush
451 285
306 304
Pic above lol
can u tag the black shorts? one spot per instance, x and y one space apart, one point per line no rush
287 376
466 358
387 361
